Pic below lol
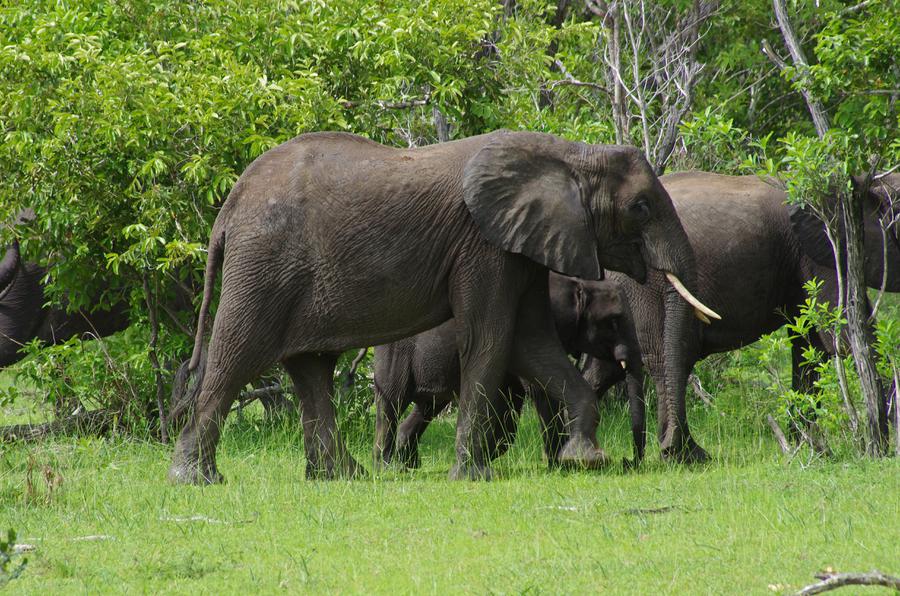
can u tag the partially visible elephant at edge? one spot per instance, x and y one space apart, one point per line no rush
591 317
754 255
330 242
23 316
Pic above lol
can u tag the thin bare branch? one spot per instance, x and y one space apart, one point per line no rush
832 581
390 105
820 120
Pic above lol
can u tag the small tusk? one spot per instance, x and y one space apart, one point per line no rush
702 316
699 307
622 364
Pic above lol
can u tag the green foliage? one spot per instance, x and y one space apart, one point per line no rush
712 143
113 372
124 125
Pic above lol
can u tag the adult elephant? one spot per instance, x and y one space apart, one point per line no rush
331 241
754 256
25 317
591 317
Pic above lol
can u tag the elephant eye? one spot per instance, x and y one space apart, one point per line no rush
640 208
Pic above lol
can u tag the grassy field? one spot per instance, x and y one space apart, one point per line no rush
751 522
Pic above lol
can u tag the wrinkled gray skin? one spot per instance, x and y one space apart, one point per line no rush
591 317
752 264
331 242
23 316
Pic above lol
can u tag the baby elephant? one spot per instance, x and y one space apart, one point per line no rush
592 317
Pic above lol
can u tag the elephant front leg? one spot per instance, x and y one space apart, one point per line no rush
326 455
637 409
540 359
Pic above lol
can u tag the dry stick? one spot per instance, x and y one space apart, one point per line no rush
779 434
820 120
154 361
94 421
702 393
845 391
391 105
248 396
832 581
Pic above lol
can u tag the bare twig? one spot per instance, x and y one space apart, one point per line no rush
181 326
855 8
390 105
702 393
92 422
820 120
779 434
832 581
571 80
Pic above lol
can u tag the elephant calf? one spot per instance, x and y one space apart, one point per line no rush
592 317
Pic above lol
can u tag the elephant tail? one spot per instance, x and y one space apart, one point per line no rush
185 391
213 260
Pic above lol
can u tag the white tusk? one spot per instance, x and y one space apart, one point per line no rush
702 316
622 364
699 307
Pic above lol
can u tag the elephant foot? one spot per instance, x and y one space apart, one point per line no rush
197 473
470 471
629 465
347 469
687 453
408 458
581 453
382 460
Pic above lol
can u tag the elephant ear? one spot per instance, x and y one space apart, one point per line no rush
810 231
526 199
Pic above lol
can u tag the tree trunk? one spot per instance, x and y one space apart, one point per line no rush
858 329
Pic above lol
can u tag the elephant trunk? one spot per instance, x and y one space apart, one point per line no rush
679 268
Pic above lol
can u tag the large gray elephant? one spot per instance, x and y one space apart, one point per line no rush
331 241
591 317
754 254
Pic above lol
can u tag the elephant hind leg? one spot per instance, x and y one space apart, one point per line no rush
326 455
234 359
389 401
414 425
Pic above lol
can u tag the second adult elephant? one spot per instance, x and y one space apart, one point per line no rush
24 315
330 242
591 317
754 254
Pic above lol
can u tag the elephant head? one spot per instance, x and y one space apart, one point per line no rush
881 206
578 208
23 316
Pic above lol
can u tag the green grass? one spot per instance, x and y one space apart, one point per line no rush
745 522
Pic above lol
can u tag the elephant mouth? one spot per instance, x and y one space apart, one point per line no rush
701 311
